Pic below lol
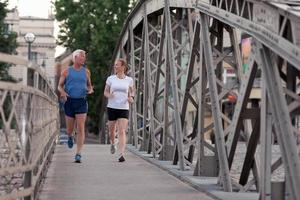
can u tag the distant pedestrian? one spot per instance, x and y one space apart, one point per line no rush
119 90
74 84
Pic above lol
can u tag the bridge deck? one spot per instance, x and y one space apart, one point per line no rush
100 176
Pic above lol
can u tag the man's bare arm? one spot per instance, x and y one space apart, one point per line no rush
60 87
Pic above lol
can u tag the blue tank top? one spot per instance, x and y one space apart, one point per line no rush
76 83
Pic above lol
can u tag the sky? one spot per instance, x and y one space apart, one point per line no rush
36 8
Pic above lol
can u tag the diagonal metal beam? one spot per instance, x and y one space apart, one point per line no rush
249 157
216 111
189 82
242 100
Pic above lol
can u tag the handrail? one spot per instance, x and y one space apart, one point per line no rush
29 124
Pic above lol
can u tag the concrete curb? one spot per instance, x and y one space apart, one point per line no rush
207 185
172 170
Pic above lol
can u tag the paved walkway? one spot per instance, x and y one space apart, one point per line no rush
101 177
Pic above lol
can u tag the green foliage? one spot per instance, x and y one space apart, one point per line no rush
93 26
8 43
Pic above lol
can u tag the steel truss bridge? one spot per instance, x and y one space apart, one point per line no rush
178 52
213 79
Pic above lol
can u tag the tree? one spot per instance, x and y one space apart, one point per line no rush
8 43
93 26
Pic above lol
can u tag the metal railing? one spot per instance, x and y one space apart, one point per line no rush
29 124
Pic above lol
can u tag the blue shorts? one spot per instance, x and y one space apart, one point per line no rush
75 106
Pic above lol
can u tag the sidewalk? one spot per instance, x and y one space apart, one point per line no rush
101 177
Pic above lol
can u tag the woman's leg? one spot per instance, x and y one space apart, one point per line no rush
112 131
122 127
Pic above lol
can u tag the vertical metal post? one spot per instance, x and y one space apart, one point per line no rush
281 116
28 174
201 107
145 104
29 115
30 72
132 62
266 143
29 51
171 62
216 112
149 106
166 145
140 92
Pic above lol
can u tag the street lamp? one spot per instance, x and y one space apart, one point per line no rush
29 38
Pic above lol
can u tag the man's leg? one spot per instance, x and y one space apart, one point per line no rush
70 127
80 121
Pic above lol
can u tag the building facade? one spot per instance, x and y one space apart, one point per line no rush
42 49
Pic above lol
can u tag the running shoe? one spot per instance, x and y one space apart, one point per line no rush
121 158
70 142
112 148
78 158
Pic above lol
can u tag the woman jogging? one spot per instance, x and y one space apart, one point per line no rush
119 91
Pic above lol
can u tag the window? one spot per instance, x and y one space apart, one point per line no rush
6 28
34 56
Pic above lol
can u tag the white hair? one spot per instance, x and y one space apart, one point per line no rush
76 53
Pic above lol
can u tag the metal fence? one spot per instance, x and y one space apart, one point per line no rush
178 52
29 124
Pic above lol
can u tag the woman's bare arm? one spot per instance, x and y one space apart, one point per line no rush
107 92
